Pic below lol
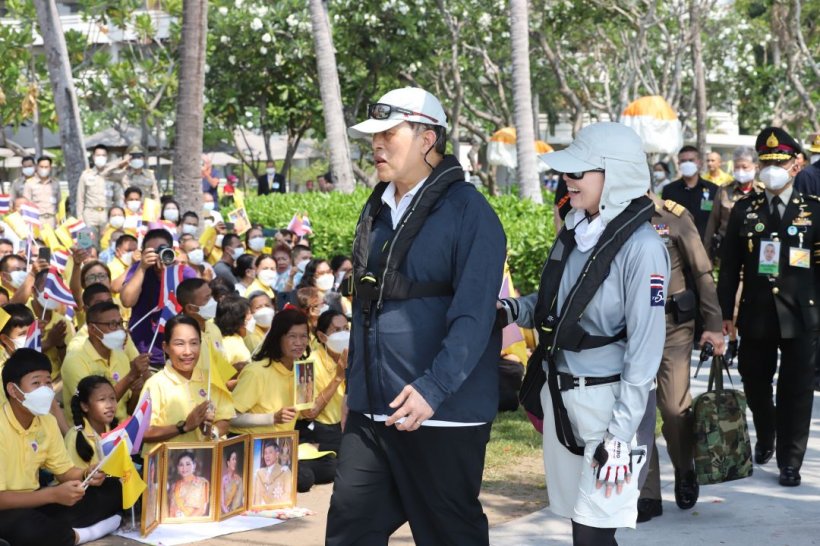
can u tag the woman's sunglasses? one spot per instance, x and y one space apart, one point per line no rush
383 111
580 175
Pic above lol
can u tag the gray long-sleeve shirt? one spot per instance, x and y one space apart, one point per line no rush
628 297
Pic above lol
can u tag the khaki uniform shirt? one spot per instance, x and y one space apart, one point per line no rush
144 180
45 195
97 192
677 229
16 189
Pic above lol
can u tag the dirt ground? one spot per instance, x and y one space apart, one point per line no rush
505 495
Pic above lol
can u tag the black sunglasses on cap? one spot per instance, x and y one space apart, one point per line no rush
580 175
383 111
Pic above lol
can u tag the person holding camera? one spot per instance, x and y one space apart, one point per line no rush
141 290
691 290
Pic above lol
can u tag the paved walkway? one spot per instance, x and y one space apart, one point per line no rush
750 512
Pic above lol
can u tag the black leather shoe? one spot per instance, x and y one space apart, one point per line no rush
687 490
648 509
763 454
789 477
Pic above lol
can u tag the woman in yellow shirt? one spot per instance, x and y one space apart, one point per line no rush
180 409
190 493
265 276
94 409
116 220
261 307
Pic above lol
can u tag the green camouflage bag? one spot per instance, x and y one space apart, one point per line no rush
723 451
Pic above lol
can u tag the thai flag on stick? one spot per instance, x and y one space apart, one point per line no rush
300 225
30 214
168 304
131 430
33 337
57 290
59 260
5 203
76 228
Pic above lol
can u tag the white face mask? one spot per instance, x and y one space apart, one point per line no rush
324 282
264 316
237 252
209 222
196 256
100 161
208 206
208 311
744 176
250 325
47 303
117 221
774 177
115 340
188 229
658 175
127 258
267 277
172 215
338 341
18 278
257 244
271 171
39 400
219 239
688 168
134 206
28 171
19 342
44 173
137 163
302 265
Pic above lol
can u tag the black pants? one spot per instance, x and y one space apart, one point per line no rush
757 363
328 437
54 524
430 477
510 374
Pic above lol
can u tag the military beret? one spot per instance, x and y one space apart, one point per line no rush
775 144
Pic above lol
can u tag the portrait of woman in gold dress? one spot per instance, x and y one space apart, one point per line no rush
189 496
233 490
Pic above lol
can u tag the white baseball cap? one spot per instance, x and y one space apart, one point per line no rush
406 104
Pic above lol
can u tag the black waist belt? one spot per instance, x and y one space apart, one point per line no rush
567 381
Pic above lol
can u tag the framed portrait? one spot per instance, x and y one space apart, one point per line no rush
189 493
232 473
240 220
303 384
152 476
273 466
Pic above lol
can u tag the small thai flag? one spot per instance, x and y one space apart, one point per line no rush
5 203
57 290
168 304
656 296
59 260
307 229
76 228
33 337
31 214
131 430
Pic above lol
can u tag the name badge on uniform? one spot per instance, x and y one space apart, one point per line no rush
799 257
706 203
276 185
769 259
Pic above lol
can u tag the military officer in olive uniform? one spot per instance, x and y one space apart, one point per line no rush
772 237
134 173
691 289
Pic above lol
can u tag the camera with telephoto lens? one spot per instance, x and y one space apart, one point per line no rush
166 254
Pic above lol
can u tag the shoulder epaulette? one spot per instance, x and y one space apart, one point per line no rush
810 197
675 208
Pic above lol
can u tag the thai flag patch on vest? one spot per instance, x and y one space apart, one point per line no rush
656 297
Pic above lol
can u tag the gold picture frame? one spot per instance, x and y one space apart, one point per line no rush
189 474
304 384
232 477
152 498
273 466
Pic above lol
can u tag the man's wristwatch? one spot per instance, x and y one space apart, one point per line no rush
181 427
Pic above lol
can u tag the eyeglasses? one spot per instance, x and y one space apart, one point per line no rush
580 175
383 111
95 277
113 325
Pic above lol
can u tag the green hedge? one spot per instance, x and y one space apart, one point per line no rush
333 216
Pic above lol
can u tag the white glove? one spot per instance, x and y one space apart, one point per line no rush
613 459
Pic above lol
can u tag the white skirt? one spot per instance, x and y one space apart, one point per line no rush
571 478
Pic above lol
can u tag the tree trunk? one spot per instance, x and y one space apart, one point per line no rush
65 98
700 77
190 105
331 99
528 184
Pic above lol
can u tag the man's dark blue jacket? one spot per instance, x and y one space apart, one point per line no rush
444 346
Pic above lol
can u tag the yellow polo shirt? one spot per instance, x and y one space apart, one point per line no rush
325 370
117 268
721 179
53 353
173 397
255 338
81 337
91 437
264 387
4 355
23 452
235 349
87 361
257 286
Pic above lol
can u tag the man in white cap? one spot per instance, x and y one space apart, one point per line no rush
600 314
422 380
